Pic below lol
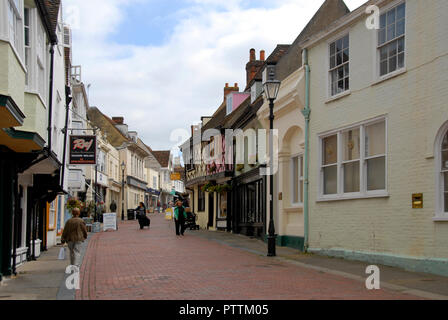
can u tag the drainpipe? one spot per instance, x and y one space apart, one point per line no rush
306 113
68 99
50 98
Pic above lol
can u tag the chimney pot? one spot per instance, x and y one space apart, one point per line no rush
236 85
227 85
252 55
262 55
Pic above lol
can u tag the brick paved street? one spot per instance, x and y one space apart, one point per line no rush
155 264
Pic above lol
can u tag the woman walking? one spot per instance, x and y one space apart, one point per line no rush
143 220
179 218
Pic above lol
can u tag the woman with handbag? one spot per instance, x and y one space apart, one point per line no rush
143 220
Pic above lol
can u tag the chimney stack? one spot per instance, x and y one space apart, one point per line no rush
254 65
118 120
228 89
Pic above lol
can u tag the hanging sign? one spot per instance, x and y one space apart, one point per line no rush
82 150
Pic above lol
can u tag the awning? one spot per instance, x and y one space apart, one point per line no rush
10 114
21 141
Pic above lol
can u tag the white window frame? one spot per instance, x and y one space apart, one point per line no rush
440 214
336 38
300 158
363 193
398 71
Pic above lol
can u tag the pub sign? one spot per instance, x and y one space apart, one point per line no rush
82 150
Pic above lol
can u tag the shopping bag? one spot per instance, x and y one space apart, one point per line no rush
61 255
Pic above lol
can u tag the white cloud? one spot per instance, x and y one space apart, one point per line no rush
161 88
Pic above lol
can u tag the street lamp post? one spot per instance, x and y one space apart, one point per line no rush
122 190
271 88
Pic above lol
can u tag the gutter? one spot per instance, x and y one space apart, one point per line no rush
306 113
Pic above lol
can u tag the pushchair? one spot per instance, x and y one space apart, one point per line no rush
191 221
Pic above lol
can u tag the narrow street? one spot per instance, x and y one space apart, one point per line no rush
156 264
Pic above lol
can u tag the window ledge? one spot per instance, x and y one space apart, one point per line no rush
338 96
440 218
389 76
353 197
293 209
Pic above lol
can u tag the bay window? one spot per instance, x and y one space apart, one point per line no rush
353 161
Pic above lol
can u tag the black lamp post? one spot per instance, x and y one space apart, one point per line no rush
271 88
123 166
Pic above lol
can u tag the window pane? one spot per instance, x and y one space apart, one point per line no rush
350 144
401 60
339 58
351 177
391 16
446 181
332 62
347 85
445 160
376 174
390 32
330 180
375 139
383 68
330 150
383 53
295 180
345 55
345 41
339 45
393 49
381 36
401 9
446 201
400 27
445 142
301 167
383 21
393 64
346 70
340 73
401 45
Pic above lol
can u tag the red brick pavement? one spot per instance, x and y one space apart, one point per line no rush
155 264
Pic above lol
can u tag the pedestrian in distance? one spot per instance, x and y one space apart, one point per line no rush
113 206
179 218
74 234
143 220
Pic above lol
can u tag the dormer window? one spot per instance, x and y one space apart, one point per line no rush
229 104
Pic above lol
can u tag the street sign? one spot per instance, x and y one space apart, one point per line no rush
82 150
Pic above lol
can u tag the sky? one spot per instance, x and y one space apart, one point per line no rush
162 64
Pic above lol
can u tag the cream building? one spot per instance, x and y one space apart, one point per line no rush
378 137
289 177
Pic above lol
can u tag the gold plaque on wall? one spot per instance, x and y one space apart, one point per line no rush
417 201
